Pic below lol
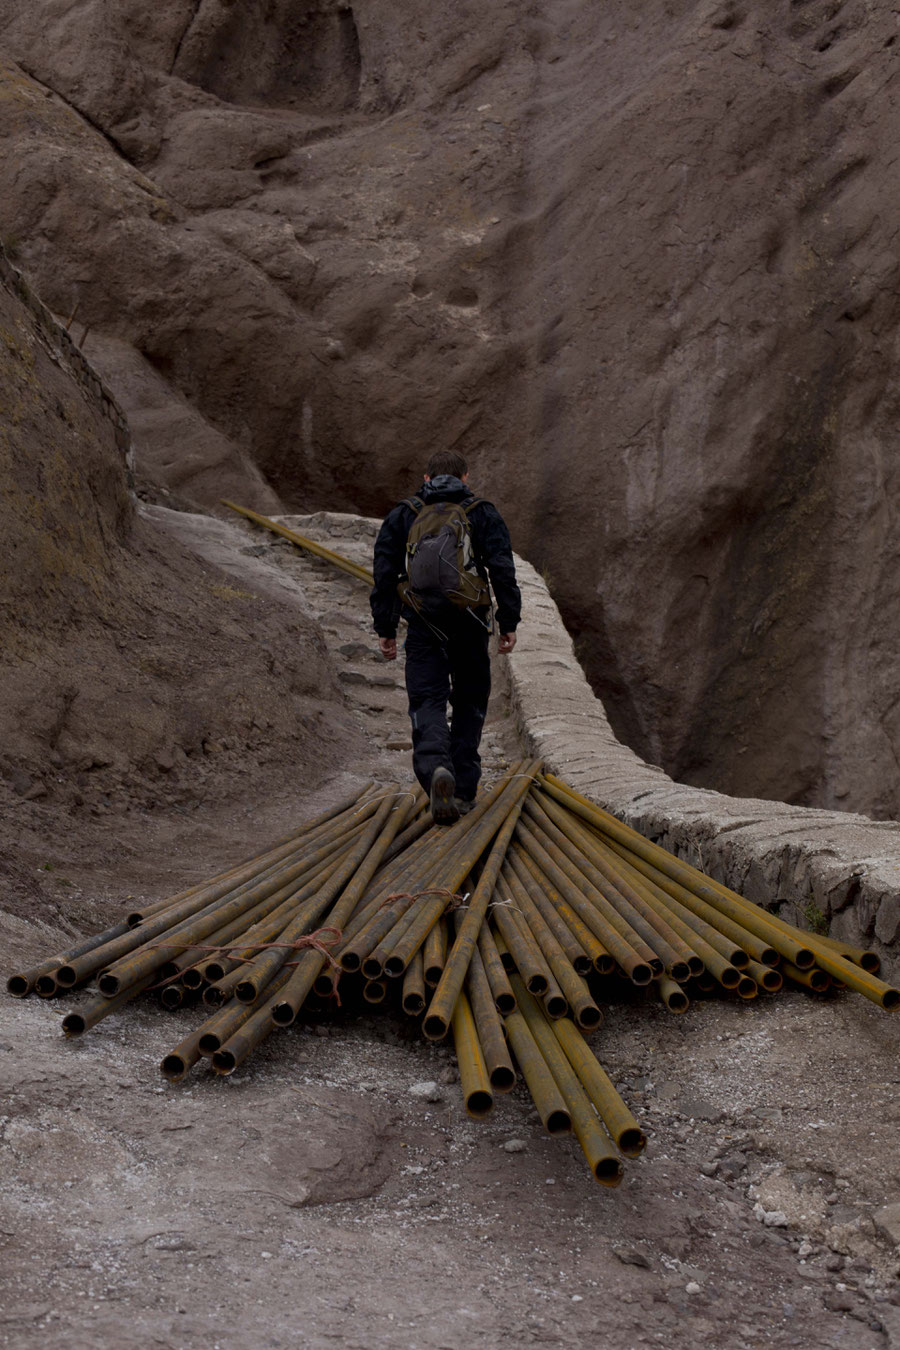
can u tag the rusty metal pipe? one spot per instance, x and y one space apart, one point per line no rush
549 900
595 1143
289 1002
501 989
577 844
587 902
413 992
266 858
491 1034
548 1100
437 1018
359 864
621 1124
815 978
550 919
672 994
375 991
21 983
474 1081
727 902
434 954
574 989
688 903
79 1021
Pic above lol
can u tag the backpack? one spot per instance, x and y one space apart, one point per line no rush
440 560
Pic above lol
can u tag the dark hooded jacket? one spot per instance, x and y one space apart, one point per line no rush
490 543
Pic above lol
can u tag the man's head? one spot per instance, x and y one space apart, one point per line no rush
446 461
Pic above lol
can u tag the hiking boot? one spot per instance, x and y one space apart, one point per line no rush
444 810
463 806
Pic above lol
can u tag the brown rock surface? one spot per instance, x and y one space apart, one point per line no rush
636 259
132 668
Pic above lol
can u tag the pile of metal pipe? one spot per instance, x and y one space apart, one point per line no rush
506 934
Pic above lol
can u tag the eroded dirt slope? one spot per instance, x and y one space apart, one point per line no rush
135 670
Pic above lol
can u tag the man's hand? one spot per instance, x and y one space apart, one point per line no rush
389 648
507 642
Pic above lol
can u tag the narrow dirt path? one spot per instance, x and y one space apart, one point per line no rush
313 1199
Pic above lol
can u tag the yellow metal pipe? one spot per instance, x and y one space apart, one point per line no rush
345 565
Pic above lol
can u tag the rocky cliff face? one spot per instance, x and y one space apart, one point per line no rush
637 260
131 669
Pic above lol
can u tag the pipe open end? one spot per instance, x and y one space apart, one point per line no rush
74 1024
656 965
192 978
819 980
507 963
434 1027
323 985
680 971
730 978
583 965
134 918
804 958
394 966
747 988
589 1017
632 1141
350 962
537 985
45 986
171 996
558 1122
890 999
372 968
739 958
108 985
479 1104
213 970
433 976
640 973
213 997
503 1078
678 1002
695 965
608 1171
283 1014
375 990
413 1005
771 981
505 1004
245 992
174 1068
224 1062
18 986
556 1006
209 1043
871 962
65 976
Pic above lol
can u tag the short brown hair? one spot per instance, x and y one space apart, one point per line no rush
446 461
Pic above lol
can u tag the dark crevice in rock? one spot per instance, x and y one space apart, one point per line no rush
85 117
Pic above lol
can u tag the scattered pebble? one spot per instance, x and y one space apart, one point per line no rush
514 1146
426 1092
692 1287
576 1298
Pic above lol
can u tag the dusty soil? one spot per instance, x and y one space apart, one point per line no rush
636 260
312 1197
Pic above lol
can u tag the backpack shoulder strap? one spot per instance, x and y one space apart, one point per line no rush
476 501
414 503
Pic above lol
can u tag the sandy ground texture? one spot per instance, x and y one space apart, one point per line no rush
324 1195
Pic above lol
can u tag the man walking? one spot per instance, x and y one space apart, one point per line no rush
434 556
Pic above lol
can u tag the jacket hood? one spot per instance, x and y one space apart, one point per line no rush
445 487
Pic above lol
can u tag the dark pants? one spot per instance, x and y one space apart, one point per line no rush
455 667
